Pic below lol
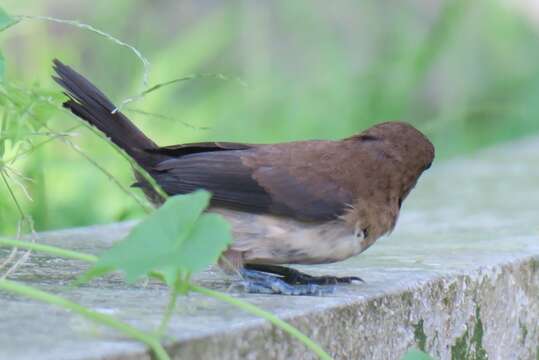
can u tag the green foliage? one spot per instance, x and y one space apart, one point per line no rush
2 67
464 73
414 354
176 240
24 117
6 20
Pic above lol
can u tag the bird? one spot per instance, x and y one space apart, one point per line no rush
302 202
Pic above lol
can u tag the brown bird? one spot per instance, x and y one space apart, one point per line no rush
304 202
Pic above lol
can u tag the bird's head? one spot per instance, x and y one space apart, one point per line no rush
407 143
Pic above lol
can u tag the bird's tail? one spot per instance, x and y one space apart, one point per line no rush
91 105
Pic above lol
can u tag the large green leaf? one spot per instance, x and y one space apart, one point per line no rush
178 239
6 20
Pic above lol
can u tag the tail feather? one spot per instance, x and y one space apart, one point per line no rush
90 104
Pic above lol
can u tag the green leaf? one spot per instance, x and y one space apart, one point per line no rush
415 354
201 248
177 239
6 20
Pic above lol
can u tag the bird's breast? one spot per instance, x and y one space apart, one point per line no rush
269 239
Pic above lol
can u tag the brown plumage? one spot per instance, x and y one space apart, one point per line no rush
302 202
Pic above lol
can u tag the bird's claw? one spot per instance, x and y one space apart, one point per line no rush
301 278
295 277
262 283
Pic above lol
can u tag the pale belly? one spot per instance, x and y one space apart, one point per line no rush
270 239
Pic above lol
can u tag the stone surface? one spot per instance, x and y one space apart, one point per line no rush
459 278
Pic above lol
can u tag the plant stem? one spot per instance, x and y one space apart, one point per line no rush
60 252
146 207
11 193
95 316
283 325
155 186
52 250
108 36
168 312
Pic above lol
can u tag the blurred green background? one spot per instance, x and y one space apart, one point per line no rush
464 72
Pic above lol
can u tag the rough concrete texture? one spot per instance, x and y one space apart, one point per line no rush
459 278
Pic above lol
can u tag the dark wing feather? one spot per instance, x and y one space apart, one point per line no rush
242 180
222 173
193 148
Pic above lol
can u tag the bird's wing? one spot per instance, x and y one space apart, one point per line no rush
273 179
192 148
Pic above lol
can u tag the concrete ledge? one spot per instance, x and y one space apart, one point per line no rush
459 278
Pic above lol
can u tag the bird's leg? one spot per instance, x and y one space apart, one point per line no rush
260 282
296 277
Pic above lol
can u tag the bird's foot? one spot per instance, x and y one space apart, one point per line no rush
296 277
259 282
